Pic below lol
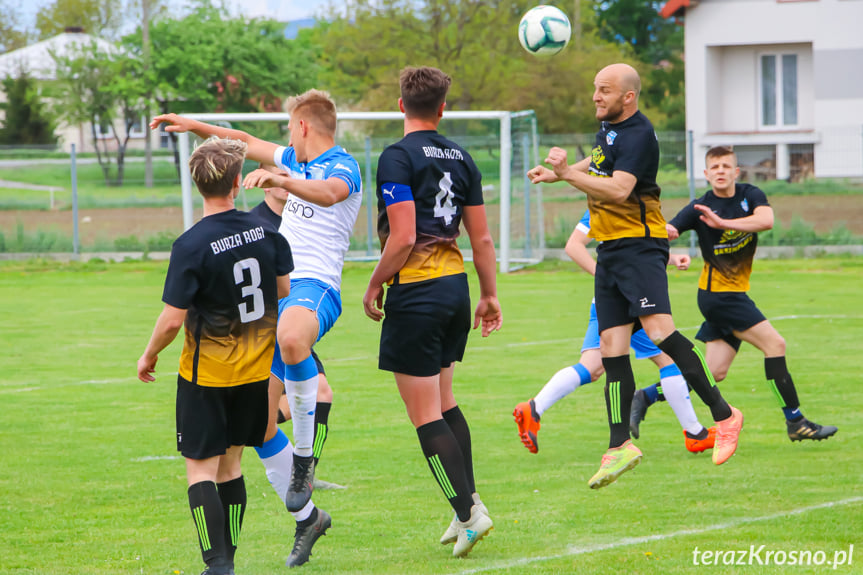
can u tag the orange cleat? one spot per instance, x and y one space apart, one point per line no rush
528 424
696 445
727 434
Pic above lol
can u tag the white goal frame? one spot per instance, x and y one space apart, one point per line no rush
504 117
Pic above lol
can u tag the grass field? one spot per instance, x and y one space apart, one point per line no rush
91 482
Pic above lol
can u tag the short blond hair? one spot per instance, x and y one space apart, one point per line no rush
215 165
316 108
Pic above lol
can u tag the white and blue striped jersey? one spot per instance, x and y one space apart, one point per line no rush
319 236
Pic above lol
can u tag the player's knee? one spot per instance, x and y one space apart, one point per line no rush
293 348
325 392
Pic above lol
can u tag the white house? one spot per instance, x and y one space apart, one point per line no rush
780 80
37 59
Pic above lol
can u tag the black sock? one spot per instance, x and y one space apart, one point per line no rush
210 522
694 369
308 520
619 389
446 462
780 380
458 424
233 496
659 395
322 415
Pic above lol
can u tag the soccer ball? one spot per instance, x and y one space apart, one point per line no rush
544 30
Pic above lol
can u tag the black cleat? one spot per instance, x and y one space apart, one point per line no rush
305 537
805 429
302 483
638 411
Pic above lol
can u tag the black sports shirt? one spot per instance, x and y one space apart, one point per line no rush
727 254
223 271
440 177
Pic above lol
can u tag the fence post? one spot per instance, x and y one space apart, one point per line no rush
76 244
370 196
690 159
525 158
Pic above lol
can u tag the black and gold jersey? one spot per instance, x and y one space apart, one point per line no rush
440 178
629 146
223 271
727 254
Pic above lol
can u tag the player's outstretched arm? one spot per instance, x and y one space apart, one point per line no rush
258 150
761 220
167 325
488 312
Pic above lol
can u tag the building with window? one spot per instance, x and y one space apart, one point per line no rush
780 80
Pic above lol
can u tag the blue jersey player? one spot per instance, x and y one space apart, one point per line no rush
325 194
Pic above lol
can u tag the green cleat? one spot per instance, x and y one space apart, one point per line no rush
615 463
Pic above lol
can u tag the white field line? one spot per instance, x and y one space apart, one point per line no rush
130 379
574 340
628 541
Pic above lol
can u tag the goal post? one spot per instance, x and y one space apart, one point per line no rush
531 237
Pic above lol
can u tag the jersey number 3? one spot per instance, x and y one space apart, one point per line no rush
250 288
443 207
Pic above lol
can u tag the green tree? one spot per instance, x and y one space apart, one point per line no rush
102 18
475 41
658 44
26 119
207 62
12 35
104 89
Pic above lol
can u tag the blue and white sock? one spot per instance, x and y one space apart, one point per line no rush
301 386
560 385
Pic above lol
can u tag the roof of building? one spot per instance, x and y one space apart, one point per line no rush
37 58
672 7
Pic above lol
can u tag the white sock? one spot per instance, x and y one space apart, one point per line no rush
301 386
676 393
560 385
305 512
278 459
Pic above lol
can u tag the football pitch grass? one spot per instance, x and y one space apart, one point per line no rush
91 482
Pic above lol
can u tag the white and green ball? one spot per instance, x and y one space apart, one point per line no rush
544 30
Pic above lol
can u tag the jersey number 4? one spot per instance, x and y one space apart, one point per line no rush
443 207
252 287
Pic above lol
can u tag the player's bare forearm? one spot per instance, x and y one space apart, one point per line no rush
761 220
576 249
168 324
258 150
614 189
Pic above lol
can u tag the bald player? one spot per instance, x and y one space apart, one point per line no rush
631 285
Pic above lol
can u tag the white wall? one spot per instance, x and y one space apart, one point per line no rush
724 39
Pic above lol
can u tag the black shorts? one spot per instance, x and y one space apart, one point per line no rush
725 313
212 419
425 326
631 280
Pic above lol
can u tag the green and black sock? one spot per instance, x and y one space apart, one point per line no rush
619 389
446 462
694 369
233 496
783 386
209 520
322 429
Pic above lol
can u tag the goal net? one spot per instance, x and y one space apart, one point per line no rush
503 144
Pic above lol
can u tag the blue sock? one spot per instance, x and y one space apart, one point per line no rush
651 393
792 414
